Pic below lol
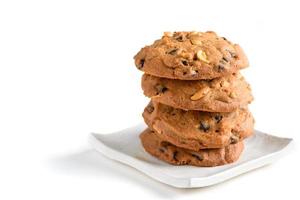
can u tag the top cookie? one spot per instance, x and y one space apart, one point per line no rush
191 56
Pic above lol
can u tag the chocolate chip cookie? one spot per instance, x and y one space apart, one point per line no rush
191 56
224 94
178 156
197 130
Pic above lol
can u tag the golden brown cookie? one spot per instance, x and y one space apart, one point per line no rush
197 130
191 56
224 94
178 156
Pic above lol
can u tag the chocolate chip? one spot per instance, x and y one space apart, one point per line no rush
232 54
179 38
162 150
172 51
198 157
204 126
220 68
218 118
149 108
225 59
184 62
165 144
195 58
234 139
160 89
175 155
141 64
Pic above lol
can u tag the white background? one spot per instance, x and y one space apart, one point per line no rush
66 69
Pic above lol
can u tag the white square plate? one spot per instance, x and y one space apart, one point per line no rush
125 147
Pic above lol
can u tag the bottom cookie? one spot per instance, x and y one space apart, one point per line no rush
178 156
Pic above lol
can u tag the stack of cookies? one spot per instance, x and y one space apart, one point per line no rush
198 111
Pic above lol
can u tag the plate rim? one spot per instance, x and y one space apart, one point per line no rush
181 182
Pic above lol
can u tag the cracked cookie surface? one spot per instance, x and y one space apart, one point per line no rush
197 130
191 56
224 94
178 156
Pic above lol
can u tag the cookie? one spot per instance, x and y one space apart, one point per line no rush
191 56
197 130
224 94
178 156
